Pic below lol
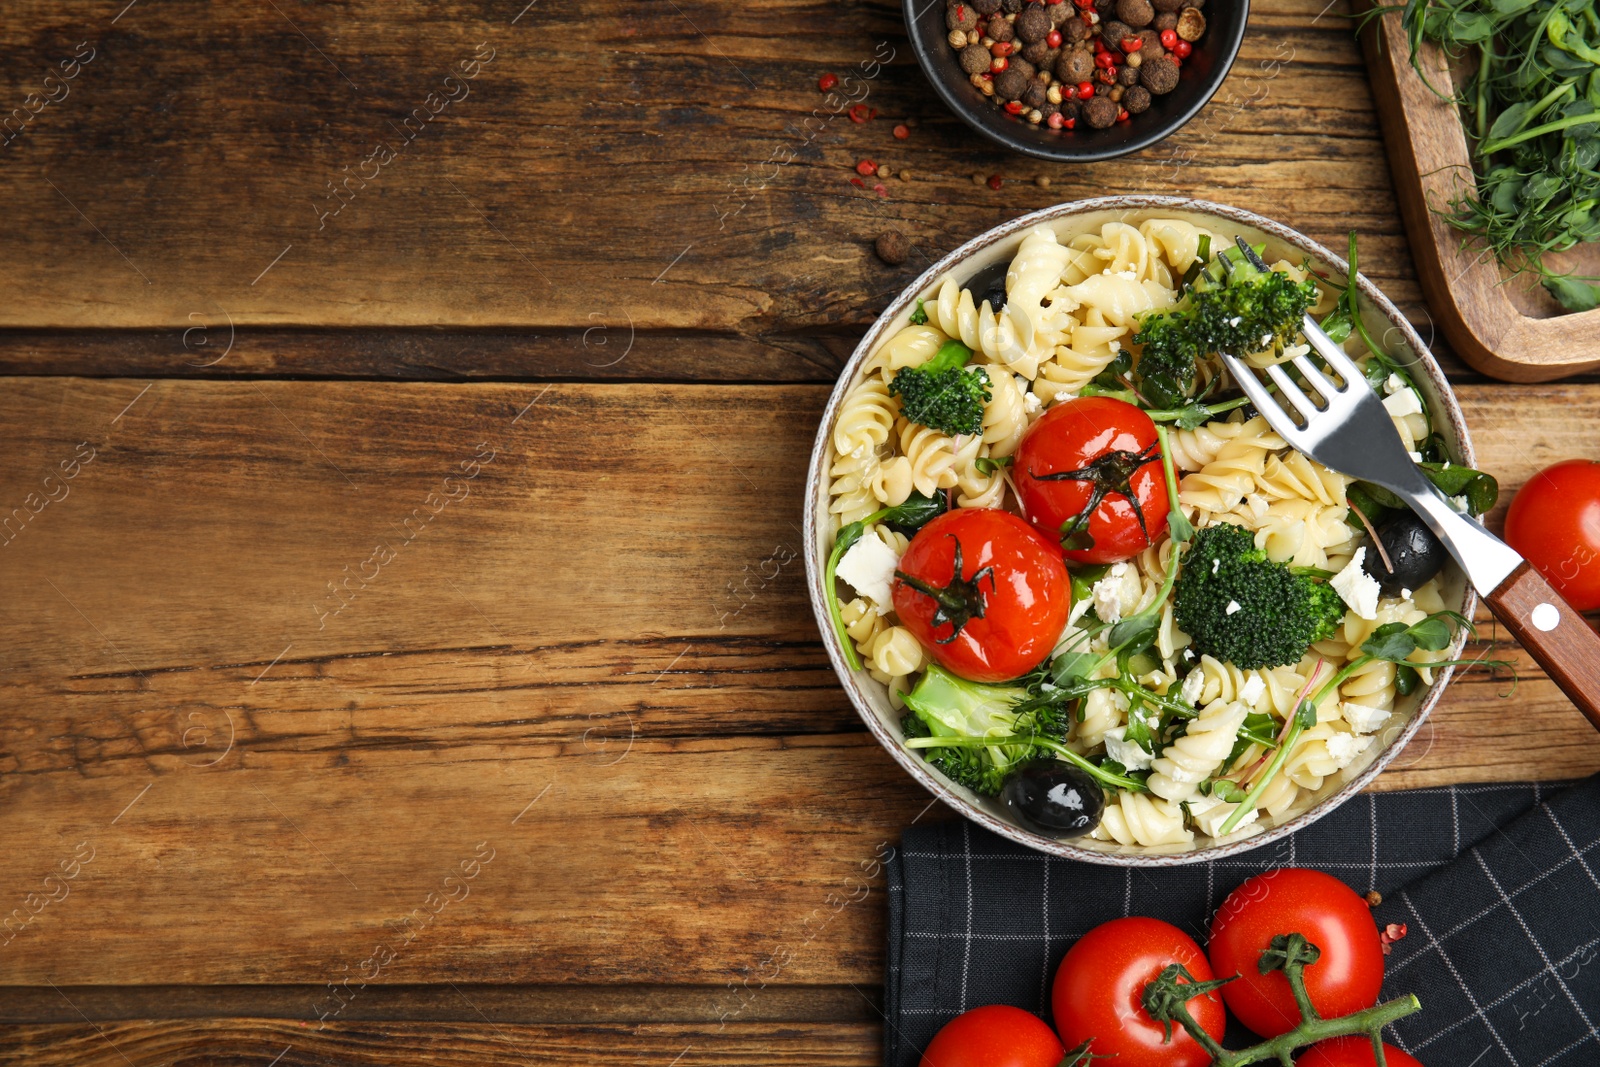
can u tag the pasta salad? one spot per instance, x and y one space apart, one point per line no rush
1092 578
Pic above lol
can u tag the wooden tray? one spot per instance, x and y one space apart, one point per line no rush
1504 325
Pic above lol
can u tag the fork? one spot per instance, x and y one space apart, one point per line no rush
1351 432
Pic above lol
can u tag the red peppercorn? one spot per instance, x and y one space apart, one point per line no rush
1106 77
858 183
994 181
1104 61
866 168
1053 39
1132 44
1055 121
1070 123
1084 3
1169 39
999 64
862 113
880 189
1122 115
1085 90
827 81
1000 48
1182 49
902 132
1099 46
1014 107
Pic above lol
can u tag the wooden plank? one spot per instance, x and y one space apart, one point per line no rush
638 172
153 1043
702 801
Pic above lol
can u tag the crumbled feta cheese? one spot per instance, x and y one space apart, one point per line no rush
1405 594
1344 748
1233 606
868 567
1459 503
1405 402
1393 384
1266 339
1416 457
1216 565
1031 401
1116 345
1363 719
1107 593
1193 686
1210 813
1253 688
1236 320
1127 753
1358 589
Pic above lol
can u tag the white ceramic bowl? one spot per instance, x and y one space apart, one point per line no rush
987 254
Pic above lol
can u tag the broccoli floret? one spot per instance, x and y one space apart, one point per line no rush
1242 608
1231 307
944 394
945 705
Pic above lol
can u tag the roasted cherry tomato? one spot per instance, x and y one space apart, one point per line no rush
1089 474
1346 977
1352 1052
1096 996
1004 610
995 1036
1554 522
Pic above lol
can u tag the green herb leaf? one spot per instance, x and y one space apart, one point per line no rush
988 465
1480 490
1392 641
1227 791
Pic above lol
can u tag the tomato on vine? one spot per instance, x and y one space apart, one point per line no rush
1099 986
1089 475
984 593
1347 975
1353 1052
994 1036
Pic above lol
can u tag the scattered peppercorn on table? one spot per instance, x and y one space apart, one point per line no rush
407 654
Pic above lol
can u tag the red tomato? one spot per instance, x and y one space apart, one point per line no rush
1098 988
996 1036
1109 449
1003 613
1352 1052
1323 910
1554 521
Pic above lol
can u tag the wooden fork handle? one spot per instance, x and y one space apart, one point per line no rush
1565 645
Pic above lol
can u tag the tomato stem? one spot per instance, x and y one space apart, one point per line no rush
1166 1000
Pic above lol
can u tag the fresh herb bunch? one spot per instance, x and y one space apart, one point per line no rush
1532 105
1230 306
944 394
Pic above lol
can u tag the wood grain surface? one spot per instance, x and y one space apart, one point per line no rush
510 673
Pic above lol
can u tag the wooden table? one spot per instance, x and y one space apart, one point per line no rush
415 666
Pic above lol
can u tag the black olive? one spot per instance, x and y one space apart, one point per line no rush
1417 555
1055 797
995 295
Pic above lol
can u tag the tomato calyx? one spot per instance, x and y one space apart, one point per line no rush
1082 1056
1166 999
959 602
1109 473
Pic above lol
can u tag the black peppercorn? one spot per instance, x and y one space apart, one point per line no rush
986 7
1135 13
998 29
960 17
1033 24
1128 76
1115 33
1159 74
1075 66
1010 84
1136 99
1011 7
975 59
892 247
1034 96
1100 112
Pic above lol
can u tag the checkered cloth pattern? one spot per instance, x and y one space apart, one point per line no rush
1498 885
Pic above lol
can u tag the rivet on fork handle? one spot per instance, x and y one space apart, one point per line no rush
1565 645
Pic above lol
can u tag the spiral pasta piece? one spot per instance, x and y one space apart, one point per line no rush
1005 415
1138 819
896 652
866 417
932 456
1176 774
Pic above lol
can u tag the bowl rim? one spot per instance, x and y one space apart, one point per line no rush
821 458
1228 54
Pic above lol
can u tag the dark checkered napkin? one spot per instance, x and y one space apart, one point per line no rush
1498 885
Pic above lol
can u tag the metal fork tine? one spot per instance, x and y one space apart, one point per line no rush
1250 254
1313 374
1255 390
1330 350
1291 392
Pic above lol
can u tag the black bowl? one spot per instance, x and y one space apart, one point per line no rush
1202 74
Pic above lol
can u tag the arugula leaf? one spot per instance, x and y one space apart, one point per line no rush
986 465
1481 490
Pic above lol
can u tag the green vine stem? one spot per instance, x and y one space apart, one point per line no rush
1166 1001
